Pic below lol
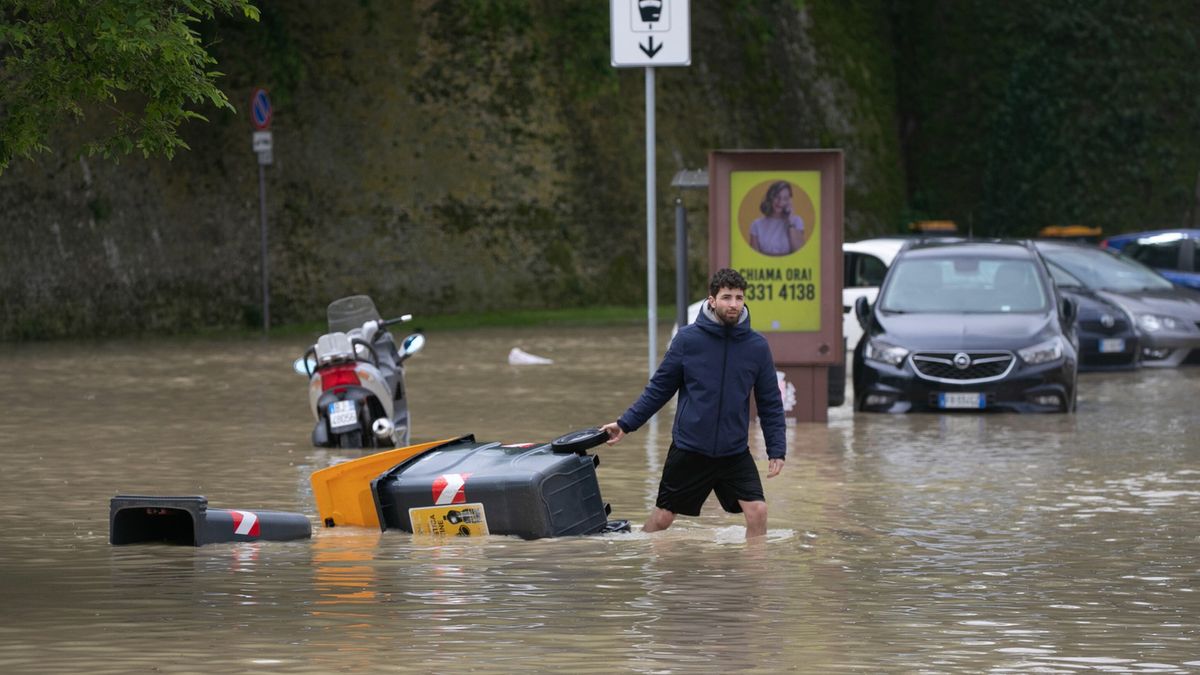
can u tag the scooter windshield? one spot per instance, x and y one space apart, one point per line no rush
346 314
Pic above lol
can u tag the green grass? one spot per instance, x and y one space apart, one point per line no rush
531 318
576 316
591 316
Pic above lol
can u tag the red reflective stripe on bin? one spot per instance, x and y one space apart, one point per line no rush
245 523
450 488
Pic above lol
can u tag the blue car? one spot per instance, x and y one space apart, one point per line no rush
1175 254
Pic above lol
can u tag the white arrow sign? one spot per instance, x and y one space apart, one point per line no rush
650 33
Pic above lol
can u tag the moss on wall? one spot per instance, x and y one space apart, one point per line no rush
446 156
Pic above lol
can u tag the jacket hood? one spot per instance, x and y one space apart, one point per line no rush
707 320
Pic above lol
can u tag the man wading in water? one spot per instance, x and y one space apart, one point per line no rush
713 364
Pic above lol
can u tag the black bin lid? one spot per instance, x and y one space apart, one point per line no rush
580 441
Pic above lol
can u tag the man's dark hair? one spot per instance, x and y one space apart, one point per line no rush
725 278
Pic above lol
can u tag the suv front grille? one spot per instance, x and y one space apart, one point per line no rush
981 366
1094 326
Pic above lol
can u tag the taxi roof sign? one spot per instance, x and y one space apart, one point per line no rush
933 226
1069 231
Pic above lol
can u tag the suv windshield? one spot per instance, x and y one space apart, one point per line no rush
1098 269
971 285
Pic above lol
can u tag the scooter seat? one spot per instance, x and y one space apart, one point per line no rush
334 347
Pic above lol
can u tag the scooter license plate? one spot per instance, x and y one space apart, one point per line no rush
342 414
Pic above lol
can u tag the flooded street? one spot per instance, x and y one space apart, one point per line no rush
922 543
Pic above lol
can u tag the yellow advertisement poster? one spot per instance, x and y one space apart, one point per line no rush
775 245
456 520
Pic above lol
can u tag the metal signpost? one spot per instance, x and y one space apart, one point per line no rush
650 34
260 113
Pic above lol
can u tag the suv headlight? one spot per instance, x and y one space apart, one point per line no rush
1152 323
1042 352
877 350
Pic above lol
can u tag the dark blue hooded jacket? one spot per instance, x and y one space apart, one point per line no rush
714 367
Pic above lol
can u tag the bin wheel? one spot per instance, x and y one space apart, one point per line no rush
579 441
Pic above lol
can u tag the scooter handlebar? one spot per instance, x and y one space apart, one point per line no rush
356 342
392 322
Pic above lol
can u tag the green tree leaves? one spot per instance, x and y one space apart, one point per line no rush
139 64
1022 114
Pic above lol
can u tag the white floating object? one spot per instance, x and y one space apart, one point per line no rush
520 357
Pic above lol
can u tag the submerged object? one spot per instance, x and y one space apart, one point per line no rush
464 487
188 521
343 491
520 357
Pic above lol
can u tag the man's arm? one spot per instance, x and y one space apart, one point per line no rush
614 432
770 413
662 386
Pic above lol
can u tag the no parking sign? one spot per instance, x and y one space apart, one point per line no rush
260 115
260 109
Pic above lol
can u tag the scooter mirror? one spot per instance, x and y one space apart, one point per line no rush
304 369
413 344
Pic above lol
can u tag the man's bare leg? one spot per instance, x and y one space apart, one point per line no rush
659 519
756 518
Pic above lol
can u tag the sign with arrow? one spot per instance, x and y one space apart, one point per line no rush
650 33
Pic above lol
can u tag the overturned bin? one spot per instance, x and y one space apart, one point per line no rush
466 487
188 521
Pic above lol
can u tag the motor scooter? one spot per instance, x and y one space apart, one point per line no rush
356 378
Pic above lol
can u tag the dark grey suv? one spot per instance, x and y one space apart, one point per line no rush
1167 317
971 325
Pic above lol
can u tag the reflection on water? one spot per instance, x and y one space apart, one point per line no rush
922 543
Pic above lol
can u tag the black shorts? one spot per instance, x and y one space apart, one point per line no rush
688 478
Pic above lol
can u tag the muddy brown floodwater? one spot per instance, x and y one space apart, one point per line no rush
922 543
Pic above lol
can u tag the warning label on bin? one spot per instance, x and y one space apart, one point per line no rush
459 520
450 488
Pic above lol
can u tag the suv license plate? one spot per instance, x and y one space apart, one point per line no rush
960 400
342 414
1112 345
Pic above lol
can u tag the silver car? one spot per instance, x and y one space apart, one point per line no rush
1167 317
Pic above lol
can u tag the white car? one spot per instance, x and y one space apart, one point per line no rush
863 265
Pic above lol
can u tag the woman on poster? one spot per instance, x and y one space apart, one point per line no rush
779 231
